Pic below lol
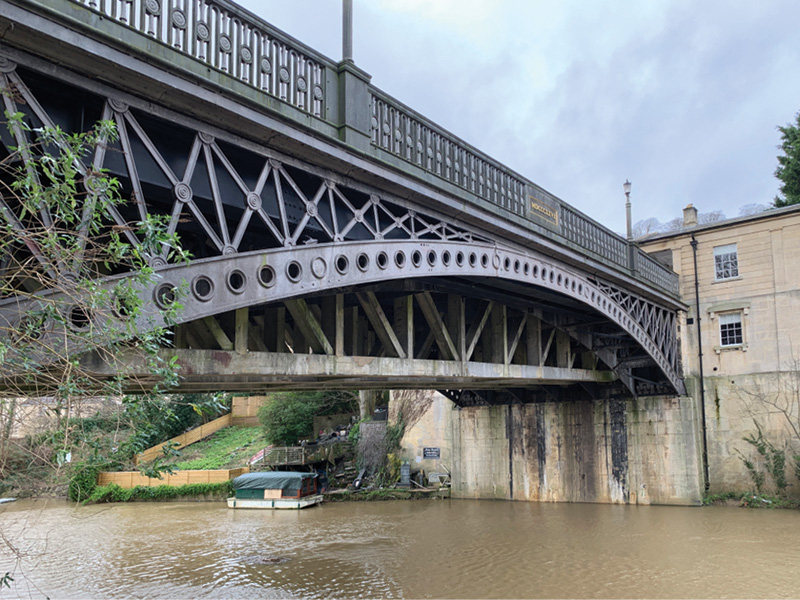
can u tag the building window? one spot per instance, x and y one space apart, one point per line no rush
726 262
730 329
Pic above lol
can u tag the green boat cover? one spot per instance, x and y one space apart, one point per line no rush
290 481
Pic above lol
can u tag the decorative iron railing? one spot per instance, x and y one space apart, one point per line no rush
588 235
230 39
654 272
403 133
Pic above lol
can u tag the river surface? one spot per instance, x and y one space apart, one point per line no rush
399 549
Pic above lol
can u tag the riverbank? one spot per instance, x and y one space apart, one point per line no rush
386 494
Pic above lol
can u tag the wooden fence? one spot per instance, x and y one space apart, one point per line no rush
245 410
190 437
130 479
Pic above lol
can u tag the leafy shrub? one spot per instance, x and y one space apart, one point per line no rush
289 416
83 480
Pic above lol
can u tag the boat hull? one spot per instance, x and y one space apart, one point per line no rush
275 503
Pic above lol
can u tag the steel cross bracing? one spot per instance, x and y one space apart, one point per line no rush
269 230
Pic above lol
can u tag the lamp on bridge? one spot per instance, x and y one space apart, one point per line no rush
627 188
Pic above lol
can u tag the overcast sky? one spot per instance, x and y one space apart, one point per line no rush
682 97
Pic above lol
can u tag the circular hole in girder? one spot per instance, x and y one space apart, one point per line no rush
382 259
236 281
484 260
552 276
558 280
535 270
473 259
507 264
294 271
342 264
516 266
544 273
526 269
432 258
572 286
362 261
580 288
446 258
459 258
203 288
416 258
266 275
400 259
80 317
29 327
124 306
165 295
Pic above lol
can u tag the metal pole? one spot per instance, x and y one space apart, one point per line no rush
706 482
627 188
347 30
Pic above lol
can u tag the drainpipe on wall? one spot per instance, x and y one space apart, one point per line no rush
706 482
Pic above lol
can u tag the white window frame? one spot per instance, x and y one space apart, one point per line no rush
727 328
726 262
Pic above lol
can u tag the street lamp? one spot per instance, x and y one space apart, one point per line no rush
627 189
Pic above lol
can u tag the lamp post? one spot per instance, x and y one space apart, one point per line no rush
627 188
347 30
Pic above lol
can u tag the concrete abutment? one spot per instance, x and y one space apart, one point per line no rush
643 451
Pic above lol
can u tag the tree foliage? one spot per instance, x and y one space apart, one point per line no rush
58 244
80 276
289 416
788 170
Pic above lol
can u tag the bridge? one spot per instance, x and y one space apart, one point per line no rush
339 238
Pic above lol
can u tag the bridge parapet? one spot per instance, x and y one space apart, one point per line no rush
231 40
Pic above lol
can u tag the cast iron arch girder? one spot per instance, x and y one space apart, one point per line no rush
238 281
227 283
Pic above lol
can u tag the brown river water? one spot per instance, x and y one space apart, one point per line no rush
399 549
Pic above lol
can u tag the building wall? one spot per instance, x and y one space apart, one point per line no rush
638 452
756 382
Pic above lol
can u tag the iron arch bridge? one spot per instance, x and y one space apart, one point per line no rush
321 258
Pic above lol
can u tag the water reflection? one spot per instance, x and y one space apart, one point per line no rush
438 549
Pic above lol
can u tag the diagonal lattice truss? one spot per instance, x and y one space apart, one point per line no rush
262 203
234 203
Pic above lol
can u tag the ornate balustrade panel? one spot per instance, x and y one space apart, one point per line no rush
433 149
654 272
590 236
229 40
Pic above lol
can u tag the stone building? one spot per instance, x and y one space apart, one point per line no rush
741 281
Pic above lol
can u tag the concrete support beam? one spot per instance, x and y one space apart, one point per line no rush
219 334
438 328
309 326
404 323
242 330
212 370
476 330
383 329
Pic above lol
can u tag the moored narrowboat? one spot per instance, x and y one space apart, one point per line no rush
275 489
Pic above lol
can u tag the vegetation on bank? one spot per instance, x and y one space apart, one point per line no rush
114 493
289 416
750 500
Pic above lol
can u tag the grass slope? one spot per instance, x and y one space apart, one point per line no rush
228 448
